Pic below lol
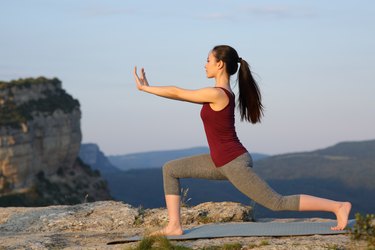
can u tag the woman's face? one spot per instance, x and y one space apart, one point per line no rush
211 66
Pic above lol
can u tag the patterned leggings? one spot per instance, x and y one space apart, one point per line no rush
239 172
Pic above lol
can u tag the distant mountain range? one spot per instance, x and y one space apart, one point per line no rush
352 163
91 154
156 159
345 171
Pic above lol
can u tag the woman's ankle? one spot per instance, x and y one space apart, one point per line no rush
174 224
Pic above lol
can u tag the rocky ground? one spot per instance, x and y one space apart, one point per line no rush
92 225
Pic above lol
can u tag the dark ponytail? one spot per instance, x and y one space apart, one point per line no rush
249 98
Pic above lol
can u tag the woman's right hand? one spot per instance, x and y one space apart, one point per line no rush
215 96
142 80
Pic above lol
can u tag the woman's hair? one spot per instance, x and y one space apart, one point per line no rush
249 98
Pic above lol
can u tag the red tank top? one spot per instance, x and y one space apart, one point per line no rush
221 133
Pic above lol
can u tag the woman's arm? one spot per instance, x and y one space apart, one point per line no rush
205 95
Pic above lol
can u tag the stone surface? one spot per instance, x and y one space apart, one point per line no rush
208 212
92 225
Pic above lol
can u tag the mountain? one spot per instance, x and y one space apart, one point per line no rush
91 154
344 171
352 163
156 159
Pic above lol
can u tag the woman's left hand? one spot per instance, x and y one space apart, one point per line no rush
142 80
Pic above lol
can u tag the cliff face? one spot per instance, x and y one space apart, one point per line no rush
40 133
39 136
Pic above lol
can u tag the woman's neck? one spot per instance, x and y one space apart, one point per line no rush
222 80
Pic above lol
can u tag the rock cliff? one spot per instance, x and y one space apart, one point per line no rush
40 137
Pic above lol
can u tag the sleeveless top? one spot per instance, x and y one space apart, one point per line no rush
221 133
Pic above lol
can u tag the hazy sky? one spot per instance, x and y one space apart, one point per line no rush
314 62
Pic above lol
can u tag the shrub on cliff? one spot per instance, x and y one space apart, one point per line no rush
28 82
364 229
14 115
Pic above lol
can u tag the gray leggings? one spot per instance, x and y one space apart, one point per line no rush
239 172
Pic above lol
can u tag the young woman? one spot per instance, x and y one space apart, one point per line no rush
228 159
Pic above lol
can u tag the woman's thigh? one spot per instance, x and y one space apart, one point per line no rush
241 174
199 166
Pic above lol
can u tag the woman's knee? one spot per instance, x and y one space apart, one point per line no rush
277 205
284 203
171 183
168 168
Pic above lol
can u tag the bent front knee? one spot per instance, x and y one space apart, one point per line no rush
285 203
168 168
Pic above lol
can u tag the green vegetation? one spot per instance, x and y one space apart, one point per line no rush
334 247
184 197
364 229
28 82
13 115
36 196
10 115
264 243
57 99
157 243
46 192
87 168
162 243
140 218
255 246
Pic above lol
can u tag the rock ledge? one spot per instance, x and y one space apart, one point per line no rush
92 225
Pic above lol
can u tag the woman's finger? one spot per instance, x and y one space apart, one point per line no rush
135 73
141 74
137 80
144 77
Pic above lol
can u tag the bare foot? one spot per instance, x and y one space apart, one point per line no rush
168 231
342 215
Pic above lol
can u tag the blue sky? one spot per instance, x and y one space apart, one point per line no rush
314 62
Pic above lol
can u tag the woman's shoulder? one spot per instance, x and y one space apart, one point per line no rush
217 91
226 91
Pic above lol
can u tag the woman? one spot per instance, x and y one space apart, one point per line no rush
228 159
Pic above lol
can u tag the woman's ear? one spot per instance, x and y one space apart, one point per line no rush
220 64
